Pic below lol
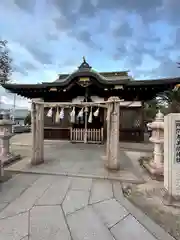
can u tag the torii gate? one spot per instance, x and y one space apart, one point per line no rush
37 123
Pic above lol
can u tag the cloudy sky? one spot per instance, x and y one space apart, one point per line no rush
47 37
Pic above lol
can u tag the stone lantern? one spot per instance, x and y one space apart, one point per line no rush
156 165
5 135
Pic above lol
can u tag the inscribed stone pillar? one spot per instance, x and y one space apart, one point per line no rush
172 159
112 161
37 132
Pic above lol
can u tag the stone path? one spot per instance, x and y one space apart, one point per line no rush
79 160
46 207
25 139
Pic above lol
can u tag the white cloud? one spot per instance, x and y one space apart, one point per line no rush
19 102
7 100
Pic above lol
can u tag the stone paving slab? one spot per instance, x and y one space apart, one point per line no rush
73 209
26 200
90 226
15 186
78 184
25 238
55 194
15 227
101 190
130 229
2 206
110 211
47 223
75 200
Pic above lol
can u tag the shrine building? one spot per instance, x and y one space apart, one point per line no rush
88 85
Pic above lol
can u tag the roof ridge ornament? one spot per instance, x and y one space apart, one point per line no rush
84 65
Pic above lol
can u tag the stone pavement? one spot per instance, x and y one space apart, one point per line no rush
25 139
47 207
83 160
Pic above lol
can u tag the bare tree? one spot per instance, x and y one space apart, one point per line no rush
5 62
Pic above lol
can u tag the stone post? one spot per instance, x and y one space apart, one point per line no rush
5 135
1 170
86 120
172 159
111 159
108 118
37 125
33 131
156 165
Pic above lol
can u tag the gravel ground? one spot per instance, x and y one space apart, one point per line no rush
148 197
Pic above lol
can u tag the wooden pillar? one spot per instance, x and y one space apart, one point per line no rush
38 133
112 160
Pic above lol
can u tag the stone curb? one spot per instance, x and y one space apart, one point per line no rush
21 144
121 148
29 144
48 142
136 149
149 224
77 175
